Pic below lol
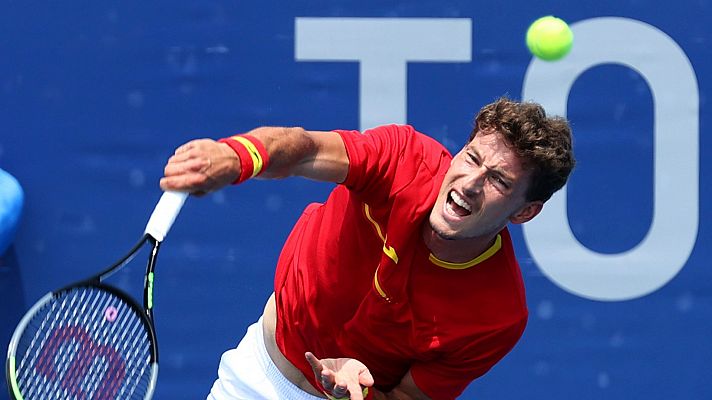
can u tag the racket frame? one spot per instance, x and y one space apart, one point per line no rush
145 314
158 226
146 321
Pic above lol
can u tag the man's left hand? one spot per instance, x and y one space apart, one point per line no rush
341 377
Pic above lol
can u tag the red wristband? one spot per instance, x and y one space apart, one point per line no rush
252 153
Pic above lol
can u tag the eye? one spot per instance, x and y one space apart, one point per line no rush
499 181
474 159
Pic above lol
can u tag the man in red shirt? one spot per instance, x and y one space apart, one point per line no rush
404 283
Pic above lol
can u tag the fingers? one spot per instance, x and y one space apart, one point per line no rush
189 169
193 156
187 175
324 375
184 148
314 362
328 381
348 384
192 184
365 378
190 145
355 391
343 377
175 166
345 387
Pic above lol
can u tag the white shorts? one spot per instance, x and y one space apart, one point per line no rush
247 372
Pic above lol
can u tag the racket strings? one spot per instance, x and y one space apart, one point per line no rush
86 344
49 366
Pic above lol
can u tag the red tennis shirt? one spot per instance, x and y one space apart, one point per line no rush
355 278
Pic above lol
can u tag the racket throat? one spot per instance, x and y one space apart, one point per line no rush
148 283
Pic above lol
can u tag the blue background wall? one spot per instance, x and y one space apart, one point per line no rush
94 96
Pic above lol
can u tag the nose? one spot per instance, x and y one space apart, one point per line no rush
475 181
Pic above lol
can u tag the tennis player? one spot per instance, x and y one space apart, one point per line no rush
403 284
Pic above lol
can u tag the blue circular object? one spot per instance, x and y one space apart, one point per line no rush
12 199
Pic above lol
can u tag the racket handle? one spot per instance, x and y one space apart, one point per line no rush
164 214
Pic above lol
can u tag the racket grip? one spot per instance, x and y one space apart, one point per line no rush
164 214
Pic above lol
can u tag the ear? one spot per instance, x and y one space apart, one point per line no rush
526 212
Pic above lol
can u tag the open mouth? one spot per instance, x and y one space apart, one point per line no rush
457 205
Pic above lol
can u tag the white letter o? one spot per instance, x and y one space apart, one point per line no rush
671 237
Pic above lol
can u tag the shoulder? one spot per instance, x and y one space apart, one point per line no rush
392 156
395 136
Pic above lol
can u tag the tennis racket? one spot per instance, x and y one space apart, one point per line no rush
89 340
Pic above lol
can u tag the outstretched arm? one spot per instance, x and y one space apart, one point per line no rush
204 165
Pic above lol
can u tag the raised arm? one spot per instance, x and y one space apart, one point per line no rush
204 165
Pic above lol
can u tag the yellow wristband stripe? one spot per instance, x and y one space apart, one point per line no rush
254 154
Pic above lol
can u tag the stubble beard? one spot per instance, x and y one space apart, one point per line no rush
452 236
442 235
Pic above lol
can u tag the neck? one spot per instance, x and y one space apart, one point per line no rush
456 250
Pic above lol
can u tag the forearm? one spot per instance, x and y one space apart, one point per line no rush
204 165
298 152
287 149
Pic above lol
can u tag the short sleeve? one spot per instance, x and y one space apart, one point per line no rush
375 154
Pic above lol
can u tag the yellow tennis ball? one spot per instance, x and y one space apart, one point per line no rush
549 38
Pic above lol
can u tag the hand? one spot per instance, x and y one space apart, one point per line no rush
201 166
341 377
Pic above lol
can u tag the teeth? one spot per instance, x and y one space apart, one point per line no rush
460 201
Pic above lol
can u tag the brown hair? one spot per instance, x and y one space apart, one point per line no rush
543 143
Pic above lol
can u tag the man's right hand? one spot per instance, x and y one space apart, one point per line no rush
201 166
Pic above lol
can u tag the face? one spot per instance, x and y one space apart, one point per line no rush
483 190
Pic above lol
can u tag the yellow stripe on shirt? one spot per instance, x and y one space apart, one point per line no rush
482 257
390 251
